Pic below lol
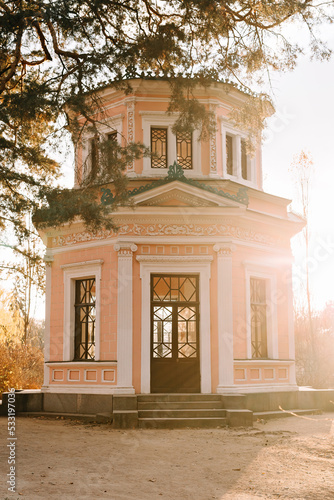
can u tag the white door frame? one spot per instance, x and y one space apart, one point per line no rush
176 265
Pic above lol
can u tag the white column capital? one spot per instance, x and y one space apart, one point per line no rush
48 257
224 249
125 248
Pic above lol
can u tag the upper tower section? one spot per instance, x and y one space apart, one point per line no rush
141 116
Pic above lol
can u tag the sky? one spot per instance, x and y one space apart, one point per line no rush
304 120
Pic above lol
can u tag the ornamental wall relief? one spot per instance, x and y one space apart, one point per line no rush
168 230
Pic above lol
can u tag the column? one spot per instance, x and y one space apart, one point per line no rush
225 316
48 259
291 331
124 317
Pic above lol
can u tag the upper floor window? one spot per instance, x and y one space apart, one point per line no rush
167 147
229 154
244 160
111 143
159 147
184 149
237 162
93 158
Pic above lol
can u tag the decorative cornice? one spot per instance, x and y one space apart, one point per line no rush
176 173
168 230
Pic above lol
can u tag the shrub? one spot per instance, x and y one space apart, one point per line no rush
21 366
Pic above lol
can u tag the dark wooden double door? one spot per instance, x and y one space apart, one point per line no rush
175 333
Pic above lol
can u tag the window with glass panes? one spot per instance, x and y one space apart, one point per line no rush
258 317
85 318
184 149
159 147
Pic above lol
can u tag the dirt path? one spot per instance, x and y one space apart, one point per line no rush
285 458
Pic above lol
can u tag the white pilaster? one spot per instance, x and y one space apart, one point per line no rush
48 259
124 316
291 332
130 103
225 315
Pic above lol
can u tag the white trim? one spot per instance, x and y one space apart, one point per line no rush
72 272
175 264
237 135
161 119
74 265
254 361
84 389
291 330
58 379
257 270
79 364
85 375
249 388
69 370
47 340
125 314
164 259
225 315
107 381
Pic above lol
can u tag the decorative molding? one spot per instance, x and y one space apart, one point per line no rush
176 172
131 127
213 144
197 230
81 264
125 249
223 249
174 258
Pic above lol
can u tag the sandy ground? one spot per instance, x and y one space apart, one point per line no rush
284 458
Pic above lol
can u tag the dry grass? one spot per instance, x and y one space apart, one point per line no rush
21 366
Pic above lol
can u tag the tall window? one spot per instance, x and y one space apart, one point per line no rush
85 316
258 318
159 147
244 160
94 154
111 143
184 149
229 154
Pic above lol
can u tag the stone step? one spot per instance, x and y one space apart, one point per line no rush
179 405
181 423
195 413
55 415
178 397
267 415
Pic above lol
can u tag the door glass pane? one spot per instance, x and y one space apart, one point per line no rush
162 332
187 332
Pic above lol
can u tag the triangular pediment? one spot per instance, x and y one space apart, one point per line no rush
178 190
178 194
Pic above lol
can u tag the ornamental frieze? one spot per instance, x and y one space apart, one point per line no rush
167 230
